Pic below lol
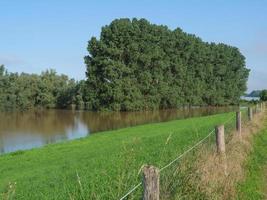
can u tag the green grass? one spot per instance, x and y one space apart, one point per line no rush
101 166
254 186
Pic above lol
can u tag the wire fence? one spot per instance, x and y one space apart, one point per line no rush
229 124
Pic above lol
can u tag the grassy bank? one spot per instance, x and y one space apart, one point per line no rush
102 166
254 185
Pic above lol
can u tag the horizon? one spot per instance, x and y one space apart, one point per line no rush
48 35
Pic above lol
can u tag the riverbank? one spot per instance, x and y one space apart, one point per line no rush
32 129
102 166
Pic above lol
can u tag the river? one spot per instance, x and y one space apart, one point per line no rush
31 129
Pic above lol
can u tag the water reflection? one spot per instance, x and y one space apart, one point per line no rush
26 130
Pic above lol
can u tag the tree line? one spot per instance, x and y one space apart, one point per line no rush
136 65
254 93
263 95
47 90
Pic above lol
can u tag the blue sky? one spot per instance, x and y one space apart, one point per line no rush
36 35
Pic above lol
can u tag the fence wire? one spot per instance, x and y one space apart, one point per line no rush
230 125
227 122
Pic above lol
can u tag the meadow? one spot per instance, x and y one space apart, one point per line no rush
102 166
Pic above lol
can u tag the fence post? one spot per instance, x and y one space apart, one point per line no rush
238 122
219 130
250 114
151 183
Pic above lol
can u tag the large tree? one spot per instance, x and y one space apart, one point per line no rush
136 65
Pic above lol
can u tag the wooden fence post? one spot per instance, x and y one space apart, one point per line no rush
151 183
250 114
219 130
238 122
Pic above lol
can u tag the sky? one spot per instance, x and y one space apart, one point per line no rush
37 35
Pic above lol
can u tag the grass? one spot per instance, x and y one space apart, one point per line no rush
254 185
101 166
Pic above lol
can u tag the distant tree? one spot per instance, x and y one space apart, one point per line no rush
263 95
2 70
26 91
254 93
2 85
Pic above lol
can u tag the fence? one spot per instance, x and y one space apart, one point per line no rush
151 174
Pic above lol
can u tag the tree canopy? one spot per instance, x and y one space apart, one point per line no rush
48 90
263 95
136 65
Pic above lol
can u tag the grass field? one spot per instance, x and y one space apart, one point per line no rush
102 166
254 185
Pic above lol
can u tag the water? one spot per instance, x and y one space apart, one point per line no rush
31 129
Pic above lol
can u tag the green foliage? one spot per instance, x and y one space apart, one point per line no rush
48 90
263 95
135 65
